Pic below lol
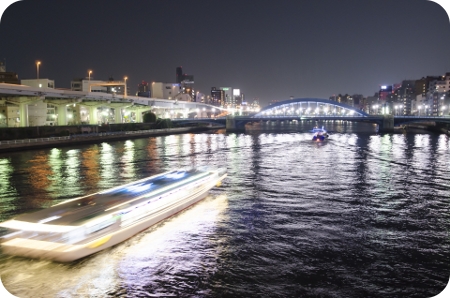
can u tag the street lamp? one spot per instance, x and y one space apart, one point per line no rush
419 107
125 91
37 68
89 74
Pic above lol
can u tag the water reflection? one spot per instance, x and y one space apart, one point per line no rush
90 167
152 152
176 246
6 188
72 168
372 207
108 171
127 160
39 172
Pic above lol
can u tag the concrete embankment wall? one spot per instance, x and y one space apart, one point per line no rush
92 138
15 133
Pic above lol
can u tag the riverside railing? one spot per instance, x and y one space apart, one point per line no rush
28 141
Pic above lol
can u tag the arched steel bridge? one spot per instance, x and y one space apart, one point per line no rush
316 109
309 107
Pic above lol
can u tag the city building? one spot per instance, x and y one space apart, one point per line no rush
143 89
255 104
237 98
437 95
168 91
89 85
405 96
421 86
186 83
8 77
345 99
217 97
39 83
371 104
179 74
228 100
80 84
358 101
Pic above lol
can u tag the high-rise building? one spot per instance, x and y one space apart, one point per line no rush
217 97
237 99
186 82
179 74
406 95
421 86
437 95
228 100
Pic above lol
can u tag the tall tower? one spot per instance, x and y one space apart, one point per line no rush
179 73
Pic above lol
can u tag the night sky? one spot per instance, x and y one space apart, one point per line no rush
271 50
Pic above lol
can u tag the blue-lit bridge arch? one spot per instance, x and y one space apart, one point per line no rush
310 107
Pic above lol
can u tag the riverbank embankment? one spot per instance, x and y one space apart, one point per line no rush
91 138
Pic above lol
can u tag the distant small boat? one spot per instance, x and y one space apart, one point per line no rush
320 134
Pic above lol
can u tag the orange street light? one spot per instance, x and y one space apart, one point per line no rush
37 68
125 91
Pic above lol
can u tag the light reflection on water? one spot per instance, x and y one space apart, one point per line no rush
360 215
6 188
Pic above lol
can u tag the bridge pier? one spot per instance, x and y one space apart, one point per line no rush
231 125
387 124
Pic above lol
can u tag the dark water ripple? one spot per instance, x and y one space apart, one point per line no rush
363 215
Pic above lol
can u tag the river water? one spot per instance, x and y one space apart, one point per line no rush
362 215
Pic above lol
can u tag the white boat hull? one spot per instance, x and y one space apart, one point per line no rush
67 252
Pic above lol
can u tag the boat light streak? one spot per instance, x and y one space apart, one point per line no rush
139 188
160 190
30 226
132 183
49 219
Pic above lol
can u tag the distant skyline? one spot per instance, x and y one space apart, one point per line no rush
270 50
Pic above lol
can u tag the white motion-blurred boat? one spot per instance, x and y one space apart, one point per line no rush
85 225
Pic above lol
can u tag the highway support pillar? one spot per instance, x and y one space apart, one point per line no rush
138 115
117 115
62 114
93 115
23 114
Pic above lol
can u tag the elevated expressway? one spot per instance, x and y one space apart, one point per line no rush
23 96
